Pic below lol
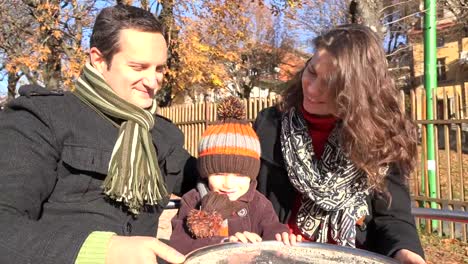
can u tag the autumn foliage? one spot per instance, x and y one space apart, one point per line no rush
42 40
45 42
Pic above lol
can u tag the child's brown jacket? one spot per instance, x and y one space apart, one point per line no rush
257 216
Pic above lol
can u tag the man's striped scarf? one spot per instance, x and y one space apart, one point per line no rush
134 177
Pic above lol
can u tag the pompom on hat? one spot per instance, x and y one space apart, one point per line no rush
230 145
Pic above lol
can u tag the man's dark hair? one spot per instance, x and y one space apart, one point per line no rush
111 20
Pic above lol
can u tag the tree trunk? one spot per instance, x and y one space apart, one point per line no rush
367 12
13 79
246 91
145 4
53 74
171 35
124 2
53 67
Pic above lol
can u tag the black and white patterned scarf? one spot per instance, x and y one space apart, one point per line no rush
333 190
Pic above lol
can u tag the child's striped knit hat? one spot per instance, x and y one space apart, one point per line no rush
230 145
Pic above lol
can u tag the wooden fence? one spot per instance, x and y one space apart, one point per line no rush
450 136
192 119
451 155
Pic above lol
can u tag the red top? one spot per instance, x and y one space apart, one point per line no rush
320 128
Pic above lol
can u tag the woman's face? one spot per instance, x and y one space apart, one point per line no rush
318 97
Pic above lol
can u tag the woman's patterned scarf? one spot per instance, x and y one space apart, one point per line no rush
134 177
333 190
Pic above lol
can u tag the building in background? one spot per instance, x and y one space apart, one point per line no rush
452 66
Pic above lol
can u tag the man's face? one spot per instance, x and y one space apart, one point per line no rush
136 70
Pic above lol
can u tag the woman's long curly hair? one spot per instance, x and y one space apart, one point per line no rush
376 133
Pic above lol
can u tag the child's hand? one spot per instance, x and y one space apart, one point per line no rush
245 237
288 239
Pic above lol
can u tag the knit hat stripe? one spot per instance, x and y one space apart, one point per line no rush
230 140
249 132
252 138
234 127
230 145
217 129
215 164
230 151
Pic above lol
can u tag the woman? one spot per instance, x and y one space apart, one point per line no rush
337 151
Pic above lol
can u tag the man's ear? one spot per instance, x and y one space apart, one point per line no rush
97 60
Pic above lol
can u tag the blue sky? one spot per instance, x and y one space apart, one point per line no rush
3 87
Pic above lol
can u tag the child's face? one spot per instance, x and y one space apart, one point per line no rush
231 184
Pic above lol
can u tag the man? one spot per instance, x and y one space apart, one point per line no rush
85 174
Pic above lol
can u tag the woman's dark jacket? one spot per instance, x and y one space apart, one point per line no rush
387 228
55 152
255 216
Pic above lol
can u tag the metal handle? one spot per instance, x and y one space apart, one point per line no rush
438 214
173 204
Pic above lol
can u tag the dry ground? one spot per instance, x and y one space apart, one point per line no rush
444 250
439 249
455 165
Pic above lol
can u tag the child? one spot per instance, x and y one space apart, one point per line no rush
226 206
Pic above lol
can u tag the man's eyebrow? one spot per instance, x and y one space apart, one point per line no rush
138 62
145 63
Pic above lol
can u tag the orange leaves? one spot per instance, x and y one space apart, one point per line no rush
201 64
43 53
71 69
50 7
43 39
203 48
294 3
206 37
57 34
209 42
15 64
213 37
75 64
48 15
216 81
127 2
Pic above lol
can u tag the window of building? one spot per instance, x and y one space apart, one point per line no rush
448 109
441 70
440 42
440 12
